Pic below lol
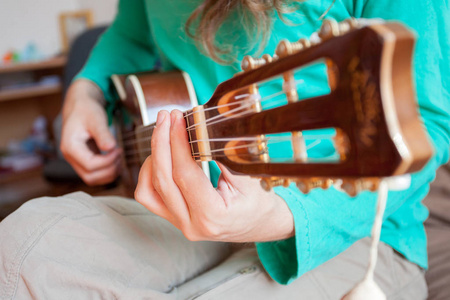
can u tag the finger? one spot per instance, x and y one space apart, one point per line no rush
188 176
79 152
101 176
146 194
103 137
162 169
230 185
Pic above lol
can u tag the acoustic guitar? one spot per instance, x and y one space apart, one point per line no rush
367 117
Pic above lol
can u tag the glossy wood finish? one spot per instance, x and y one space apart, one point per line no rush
358 106
371 104
159 90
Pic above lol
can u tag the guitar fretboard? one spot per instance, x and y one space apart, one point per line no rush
142 148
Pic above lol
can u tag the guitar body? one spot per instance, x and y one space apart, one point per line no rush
143 96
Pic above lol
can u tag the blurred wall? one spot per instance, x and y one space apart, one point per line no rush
24 21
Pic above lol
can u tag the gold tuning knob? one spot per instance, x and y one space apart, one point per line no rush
283 49
325 183
286 48
250 63
370 184
306 185
354 186
347 25
351 186
268 183
329 29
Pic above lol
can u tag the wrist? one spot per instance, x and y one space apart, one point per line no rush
82 93
277 223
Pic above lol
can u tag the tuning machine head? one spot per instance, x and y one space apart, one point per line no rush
354 186
305 185
286 48
268 183
250 63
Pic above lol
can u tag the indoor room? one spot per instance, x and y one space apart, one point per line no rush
224 149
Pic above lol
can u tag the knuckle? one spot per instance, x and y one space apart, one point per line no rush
139 194
158 183
89 180
209 230
64 149
181 177
154 141
191 236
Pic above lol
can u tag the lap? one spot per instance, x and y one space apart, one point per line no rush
108 248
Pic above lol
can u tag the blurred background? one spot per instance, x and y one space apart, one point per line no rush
43 44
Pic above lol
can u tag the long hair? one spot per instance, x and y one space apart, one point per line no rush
255 16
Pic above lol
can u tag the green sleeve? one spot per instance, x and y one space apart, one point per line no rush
126 47
328 222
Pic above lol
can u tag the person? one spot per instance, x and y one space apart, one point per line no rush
177 240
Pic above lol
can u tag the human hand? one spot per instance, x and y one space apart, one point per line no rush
172 186
84 119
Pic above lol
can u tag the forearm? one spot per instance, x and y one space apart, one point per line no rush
80 91
126 47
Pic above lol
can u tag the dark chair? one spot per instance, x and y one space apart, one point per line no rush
58 170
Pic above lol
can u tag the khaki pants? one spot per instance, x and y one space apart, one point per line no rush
79 247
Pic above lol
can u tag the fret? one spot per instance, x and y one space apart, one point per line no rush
192 134
143 137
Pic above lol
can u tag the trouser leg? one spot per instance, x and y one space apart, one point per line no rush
242 277
78 247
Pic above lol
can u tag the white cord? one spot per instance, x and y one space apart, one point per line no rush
367 289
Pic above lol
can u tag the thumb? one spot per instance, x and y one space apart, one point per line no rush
230 178
102 136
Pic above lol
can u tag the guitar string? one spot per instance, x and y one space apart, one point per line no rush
197 156
270 140
203 154
131 141
149 128
147 151
251 102
189 114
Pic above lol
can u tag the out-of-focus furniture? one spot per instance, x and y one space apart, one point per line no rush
25 94
15 189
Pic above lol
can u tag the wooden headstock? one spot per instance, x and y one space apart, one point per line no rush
370 107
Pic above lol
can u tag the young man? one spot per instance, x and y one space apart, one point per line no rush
83 247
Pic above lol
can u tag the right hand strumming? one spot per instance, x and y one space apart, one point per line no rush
84 119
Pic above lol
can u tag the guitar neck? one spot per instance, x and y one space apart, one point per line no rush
143 135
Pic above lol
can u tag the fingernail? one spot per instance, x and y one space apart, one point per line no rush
160 118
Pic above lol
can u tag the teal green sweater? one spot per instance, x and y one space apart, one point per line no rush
326 222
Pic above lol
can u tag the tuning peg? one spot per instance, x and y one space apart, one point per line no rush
306 185
347 25
285 47
325 183
351 186
329 29
268 183
250 63
370 184
354 186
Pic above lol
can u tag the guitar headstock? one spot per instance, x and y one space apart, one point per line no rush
367 112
